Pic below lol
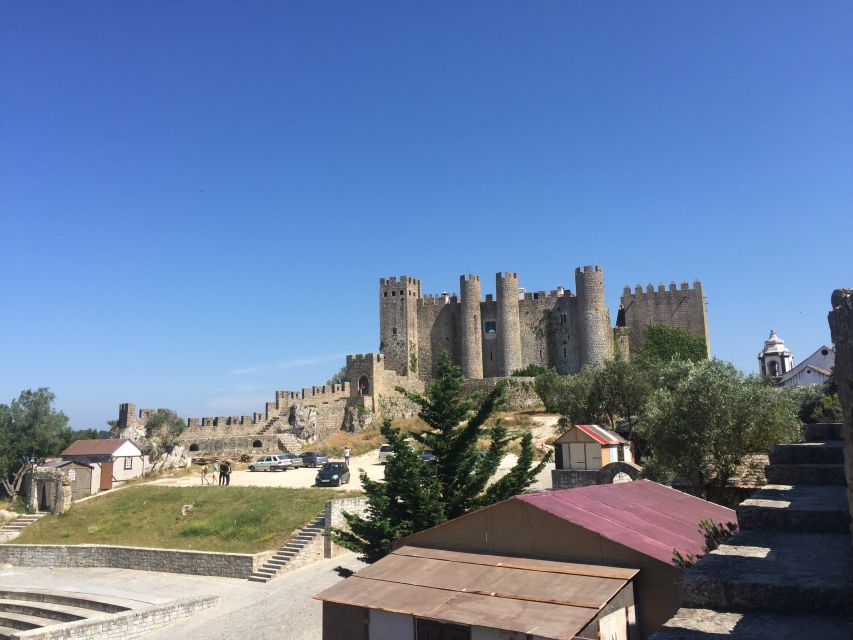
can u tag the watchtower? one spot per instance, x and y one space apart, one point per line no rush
509 324
398 323
596 337
472 329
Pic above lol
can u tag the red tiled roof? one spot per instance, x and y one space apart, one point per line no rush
642 515
94 447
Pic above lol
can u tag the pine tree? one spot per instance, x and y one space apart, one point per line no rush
417 494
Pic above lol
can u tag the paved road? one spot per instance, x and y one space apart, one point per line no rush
281 608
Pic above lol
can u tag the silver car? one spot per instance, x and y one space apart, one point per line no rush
269 463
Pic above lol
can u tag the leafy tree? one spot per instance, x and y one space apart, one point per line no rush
418 494
162 429
530 371
87 434
339 378
620 390
666 343
816 402
574 396
31 428
705 417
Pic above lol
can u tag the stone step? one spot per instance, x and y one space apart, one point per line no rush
805 474
7 633
254 578
805 507
266 571
704 624
277 563
60 612
821 431
824 452
775 572
93 602
23 621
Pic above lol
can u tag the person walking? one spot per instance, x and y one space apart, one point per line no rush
226 469
214 468
347 451
223 472
204 478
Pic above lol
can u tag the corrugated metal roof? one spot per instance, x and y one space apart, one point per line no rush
597 433
103 447
548 598
56 464
642 515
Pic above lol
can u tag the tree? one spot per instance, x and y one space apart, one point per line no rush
620 390
162 429
418 494
31 428
705 417
339 378
667 343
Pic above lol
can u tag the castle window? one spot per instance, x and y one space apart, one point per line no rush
393 293
402 293
491 356
562 318
491 326
564 352
363 386
384 294
394 331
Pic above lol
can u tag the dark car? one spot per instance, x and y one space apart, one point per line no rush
295 461
314 458
332 474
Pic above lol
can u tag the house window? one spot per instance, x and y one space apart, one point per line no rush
620 453
435 630
128 463
72 474
491 326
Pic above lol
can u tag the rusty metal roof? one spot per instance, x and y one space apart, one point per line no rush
548 598
642 515
597 433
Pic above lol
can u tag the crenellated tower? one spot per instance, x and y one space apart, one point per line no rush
398 323
509 323
596 336
472 327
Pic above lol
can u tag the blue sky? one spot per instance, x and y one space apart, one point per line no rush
198 198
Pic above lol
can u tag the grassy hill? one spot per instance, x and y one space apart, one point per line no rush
232 519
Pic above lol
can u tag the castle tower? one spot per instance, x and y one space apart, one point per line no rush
509 323
472 327
775 359
398 323
596 337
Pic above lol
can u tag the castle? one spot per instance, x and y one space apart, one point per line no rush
490 339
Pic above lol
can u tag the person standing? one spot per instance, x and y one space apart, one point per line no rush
347 451
204 478
214 470
227 465
223 472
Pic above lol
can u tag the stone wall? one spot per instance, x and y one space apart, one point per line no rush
841 327
203 563
125 625
519 392
335 519
682 307
567 479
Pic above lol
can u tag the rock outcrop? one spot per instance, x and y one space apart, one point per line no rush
841 327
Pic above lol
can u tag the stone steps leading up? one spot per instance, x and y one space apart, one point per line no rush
100 603
8 633
23 621
821 452
290 551
57 612
807 508
822 431
705 624
770 571
832 474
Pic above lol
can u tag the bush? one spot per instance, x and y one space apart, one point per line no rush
530 371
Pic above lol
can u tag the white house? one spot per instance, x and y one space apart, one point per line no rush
815 369
115 460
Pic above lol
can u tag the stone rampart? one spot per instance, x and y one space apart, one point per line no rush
519 392
334 514
841 327
202 563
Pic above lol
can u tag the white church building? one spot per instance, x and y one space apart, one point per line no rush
776 361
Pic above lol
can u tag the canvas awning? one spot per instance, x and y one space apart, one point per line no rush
550 599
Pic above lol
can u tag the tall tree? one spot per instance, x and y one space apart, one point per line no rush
418 494
31 428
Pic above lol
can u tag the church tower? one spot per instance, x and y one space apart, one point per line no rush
775 359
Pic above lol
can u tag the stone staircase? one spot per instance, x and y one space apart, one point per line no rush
13 529
788 573
298 549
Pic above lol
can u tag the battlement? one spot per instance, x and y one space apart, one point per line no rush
471 277
550 295
587 269
361 358
435 299
506 275
324 392
662 290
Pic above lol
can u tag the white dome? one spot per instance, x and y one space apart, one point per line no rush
774 344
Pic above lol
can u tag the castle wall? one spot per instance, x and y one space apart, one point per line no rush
534 316
398 321
438 330
492 362
682 307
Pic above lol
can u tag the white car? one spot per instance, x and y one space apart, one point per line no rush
270 463
385 453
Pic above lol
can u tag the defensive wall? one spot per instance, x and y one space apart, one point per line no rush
681 306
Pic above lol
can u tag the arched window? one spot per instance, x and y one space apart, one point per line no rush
193 447
363 386
257 444
774 368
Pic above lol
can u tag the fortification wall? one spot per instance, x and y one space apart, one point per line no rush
398 321
438 330
235 446
564 336
534 316
683 307
841 328
519 392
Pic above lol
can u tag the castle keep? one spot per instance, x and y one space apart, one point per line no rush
489 338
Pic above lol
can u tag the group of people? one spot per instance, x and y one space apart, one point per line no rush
223 469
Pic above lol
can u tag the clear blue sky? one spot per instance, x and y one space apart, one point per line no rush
198 198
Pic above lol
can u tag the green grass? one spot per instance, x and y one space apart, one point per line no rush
231 519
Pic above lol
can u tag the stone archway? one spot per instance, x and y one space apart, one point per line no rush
193 447
616 472
363 386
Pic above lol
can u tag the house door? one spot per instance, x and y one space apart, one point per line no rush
106 475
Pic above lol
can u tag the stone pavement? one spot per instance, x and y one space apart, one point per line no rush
283 608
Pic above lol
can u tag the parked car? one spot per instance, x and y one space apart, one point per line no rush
384 453
314 458
292 458
427 455
332 474
269 463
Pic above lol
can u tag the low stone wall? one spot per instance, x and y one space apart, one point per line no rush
230 447
202 563
335 518
567 479
124 625
519 392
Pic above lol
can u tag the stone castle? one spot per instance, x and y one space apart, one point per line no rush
490 339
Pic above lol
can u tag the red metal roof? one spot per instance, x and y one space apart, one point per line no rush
102 447
600 434
648 517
